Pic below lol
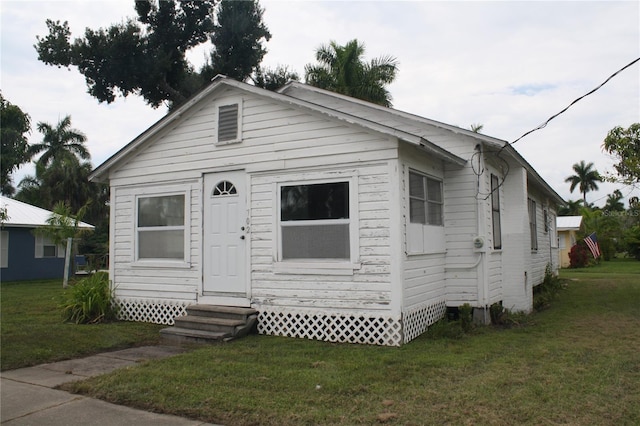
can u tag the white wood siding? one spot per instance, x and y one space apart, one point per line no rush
275 139
461 224
545 254
367 289
423 275
153 282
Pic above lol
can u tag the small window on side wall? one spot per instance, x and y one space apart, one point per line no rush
425 199
495 212
229 123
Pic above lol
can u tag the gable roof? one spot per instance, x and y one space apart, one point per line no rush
23 215
406 127
421 126
219 82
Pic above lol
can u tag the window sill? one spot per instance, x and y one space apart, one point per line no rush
426 253
315 268
161 263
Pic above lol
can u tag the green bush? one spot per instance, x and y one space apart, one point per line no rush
579 255
89 300
465 313
544 293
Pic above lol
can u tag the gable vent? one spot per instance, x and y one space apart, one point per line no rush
228 123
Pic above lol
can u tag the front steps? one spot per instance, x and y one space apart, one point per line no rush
209 323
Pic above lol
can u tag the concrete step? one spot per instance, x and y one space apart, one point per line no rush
230 312
178 335
208 323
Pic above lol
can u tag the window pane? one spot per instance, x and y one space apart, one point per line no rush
161 211
417 211
161 244
49 251
434 190
315 202
495 193
416 185
435 214
497 231
315 242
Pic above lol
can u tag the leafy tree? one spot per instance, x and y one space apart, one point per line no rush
59 142
614 202
585 178
14 125
61 226
624 144
571 208
476 127
273 79
146 56
237 39
342 69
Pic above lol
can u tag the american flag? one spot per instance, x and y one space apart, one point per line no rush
592 243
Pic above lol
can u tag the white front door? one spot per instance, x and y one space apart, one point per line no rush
224 235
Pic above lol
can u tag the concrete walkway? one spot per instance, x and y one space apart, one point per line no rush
27 396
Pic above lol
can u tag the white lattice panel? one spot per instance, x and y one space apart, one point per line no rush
146 310
331 327
417 320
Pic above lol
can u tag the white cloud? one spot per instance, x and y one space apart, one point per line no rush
506 65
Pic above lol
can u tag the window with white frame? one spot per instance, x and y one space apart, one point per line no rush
425 230
45 247
533 226
4 249
315 221
425 199
495 212
160 227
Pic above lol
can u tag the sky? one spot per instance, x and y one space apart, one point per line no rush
507 65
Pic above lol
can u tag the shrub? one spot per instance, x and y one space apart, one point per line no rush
544 293
579 256
89 300
465 315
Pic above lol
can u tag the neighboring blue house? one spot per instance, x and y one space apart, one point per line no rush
23 254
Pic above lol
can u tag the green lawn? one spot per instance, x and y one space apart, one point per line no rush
577 362
32 330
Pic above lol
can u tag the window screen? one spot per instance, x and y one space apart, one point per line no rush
161 227
425 199
314 221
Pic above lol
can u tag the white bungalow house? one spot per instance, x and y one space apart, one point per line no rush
334 218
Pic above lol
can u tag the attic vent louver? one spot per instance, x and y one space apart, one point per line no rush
228 123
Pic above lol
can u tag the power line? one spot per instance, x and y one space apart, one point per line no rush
543 125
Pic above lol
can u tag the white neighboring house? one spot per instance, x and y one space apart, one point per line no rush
336 219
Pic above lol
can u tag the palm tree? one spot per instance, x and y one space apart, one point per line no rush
586 179
571 208
60 141
614 202
342 69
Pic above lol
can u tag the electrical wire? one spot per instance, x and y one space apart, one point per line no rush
541 126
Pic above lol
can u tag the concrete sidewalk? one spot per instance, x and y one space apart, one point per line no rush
27 396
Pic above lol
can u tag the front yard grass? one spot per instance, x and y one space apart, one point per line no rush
577 362
32 330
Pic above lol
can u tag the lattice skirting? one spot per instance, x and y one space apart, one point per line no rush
416 320
147 310
330 327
